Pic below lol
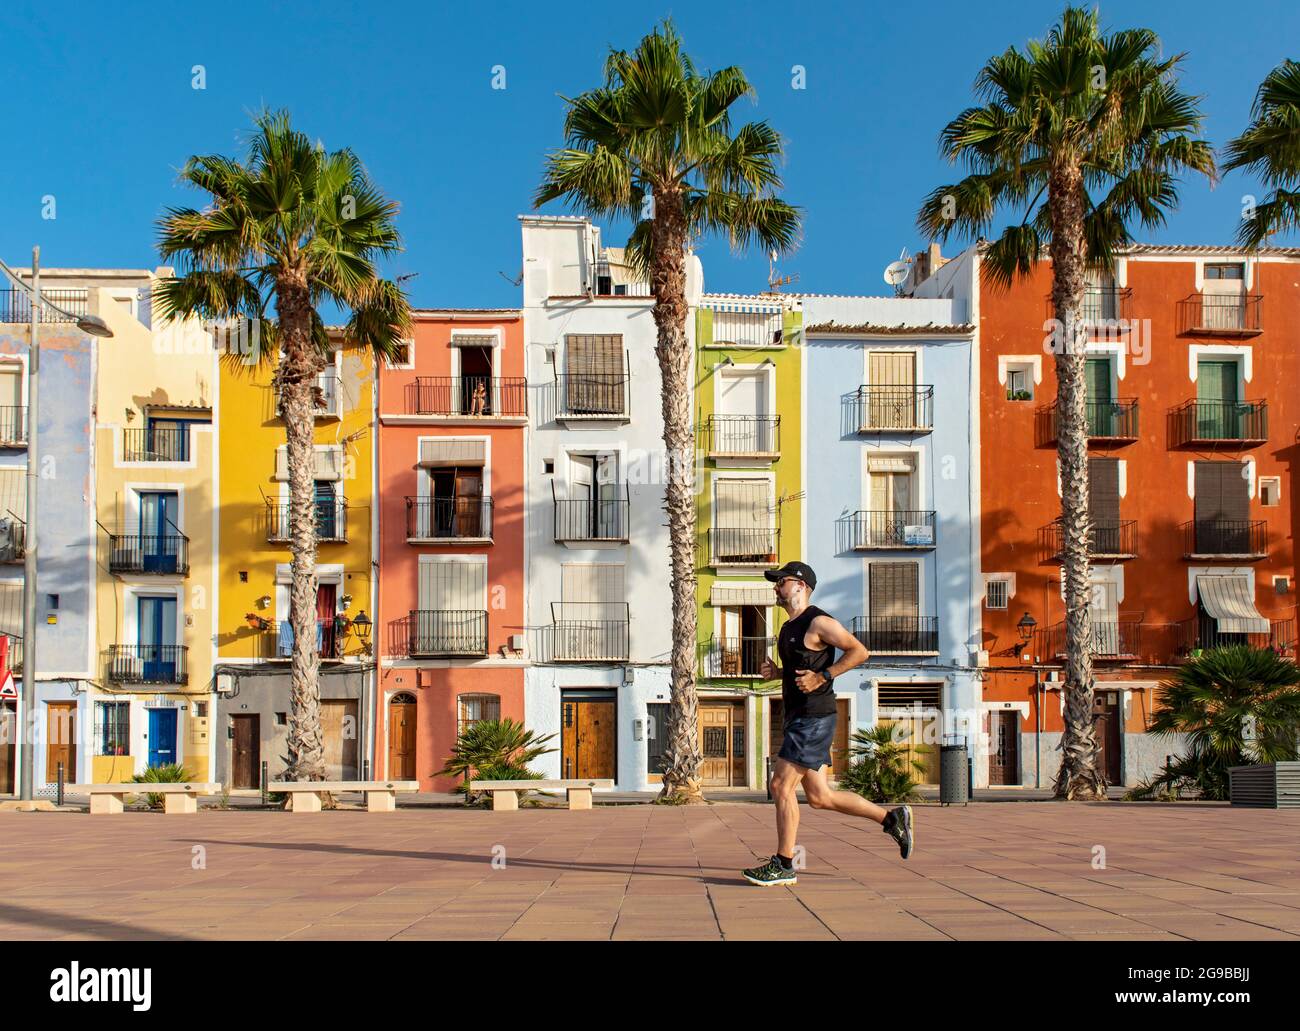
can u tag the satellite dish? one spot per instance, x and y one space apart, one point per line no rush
896 273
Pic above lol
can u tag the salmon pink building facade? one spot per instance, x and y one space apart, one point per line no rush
453 412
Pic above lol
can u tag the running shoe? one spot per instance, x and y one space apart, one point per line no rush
769 874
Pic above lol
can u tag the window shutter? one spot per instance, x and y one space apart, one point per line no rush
1103 491
892 369
893 589
452 585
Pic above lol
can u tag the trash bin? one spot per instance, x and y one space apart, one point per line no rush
954 775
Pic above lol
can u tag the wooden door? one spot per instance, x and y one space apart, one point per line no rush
1004 747
401 740
1099 410
1222 508
892 376
1106 725
338 722
469 502
919 739
840 746
246 752
1216 397
588 745
61 740
1103 505
8 751
722 743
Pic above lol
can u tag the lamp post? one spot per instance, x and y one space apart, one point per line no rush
1026 627
95 326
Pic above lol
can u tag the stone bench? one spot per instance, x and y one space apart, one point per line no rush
304 795
177 798
505 793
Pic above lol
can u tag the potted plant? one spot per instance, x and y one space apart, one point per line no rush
255 621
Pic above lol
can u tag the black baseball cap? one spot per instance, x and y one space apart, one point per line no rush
800 570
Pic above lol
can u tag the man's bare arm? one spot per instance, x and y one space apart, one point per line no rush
832 634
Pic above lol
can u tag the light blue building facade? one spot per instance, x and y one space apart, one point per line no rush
891 510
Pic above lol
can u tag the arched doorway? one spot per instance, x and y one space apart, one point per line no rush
401 737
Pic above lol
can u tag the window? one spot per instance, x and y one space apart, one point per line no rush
200 710
1227 270
548 466
595 375
456 502
403 356
471 708
1270 491
995 594
281 719
112 728
743 529
1020 383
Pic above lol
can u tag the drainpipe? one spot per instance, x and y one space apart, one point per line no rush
1038 729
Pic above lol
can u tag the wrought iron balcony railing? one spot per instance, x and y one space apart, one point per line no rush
149 553
448 519
1111 420
1109 540
478 396
13 425
13 538
893 409
898 635
589 632
1214 422
606 272
597 396
331 520
743 546
147 664
15 659
591 519
16 304
1225 538
1220 314
748 330
1118 638
276 641
156 444
734 656
327 397
447 632
902 528
742 435
1202 633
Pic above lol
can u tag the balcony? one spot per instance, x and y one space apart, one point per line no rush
1104 308
16 305
1200 423
13 539
748 546
900 410
13 425
1115 640
149 553
1113 421
325 395
147 664
449 520
1229 315
589 631
742 436
156 444
897 530
475 397
15 660
331 521
735 656
592 397
898 635
446 632
1225 538
595 520
751 330
1202 633
276 640
615 279
1112 541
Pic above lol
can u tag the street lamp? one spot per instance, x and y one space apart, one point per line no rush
1026 628
95 326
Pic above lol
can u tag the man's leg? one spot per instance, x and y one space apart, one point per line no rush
785 780
820 795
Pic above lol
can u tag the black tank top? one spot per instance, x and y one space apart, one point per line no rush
794 657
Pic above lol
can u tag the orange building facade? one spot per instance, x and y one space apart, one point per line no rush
1192 406
450 629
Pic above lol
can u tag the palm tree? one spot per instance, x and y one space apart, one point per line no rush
291 227
657 132
1270 146
1081 134
1234 705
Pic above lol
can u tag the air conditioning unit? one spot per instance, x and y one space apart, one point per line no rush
982 659
225 683
517 642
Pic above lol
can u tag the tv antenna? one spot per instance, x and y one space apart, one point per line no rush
775 282
512 280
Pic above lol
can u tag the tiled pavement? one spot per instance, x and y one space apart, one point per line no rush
984 871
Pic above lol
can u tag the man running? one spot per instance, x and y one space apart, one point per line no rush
807 649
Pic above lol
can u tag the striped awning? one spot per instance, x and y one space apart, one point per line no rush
452 452
1227 597
741 594
745 307
889 464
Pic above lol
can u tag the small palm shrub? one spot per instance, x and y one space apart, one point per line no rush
1235 706
879 769
170 773
494 750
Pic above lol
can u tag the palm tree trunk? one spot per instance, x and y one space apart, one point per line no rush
299 364
681 756
1078 777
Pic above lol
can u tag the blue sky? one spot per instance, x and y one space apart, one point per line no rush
408 87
